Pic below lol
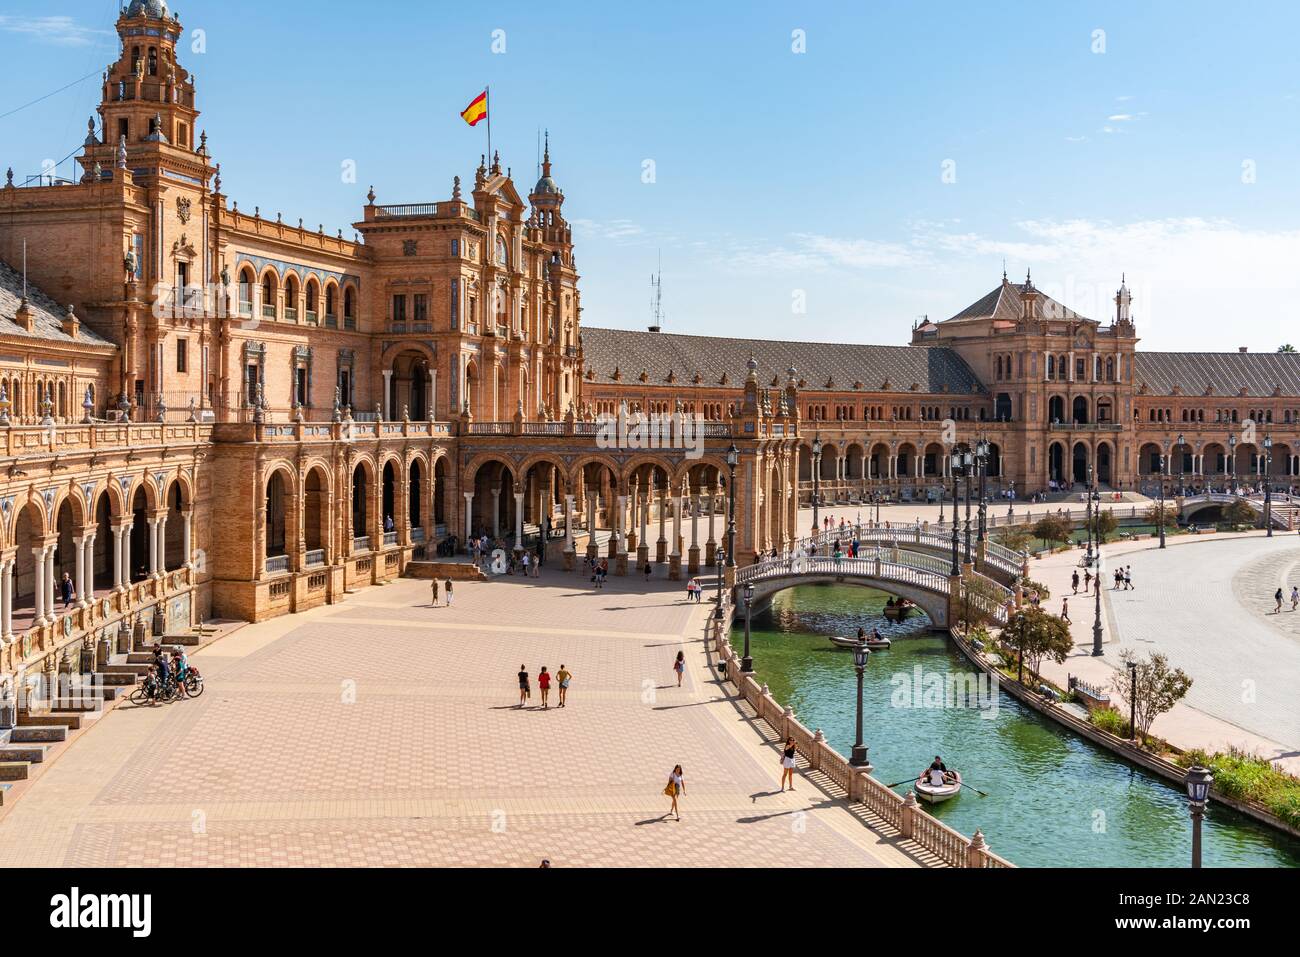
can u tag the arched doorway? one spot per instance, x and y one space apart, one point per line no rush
1056 409
1079 464
1103 464
277 555
1056 463
315 517
1080 410
361 508
388 502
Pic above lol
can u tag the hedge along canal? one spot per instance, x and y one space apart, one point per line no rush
1053 798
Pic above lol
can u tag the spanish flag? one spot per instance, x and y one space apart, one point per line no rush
476 111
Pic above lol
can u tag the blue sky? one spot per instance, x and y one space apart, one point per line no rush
1167 148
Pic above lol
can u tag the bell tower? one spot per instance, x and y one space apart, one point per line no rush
148 97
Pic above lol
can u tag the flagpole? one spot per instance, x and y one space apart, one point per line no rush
487 103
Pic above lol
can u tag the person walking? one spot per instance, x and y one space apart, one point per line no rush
1128 577
562 678
433 587
679 666
527 560
67 590
787 763
544 685
675 788
1087 579
1074 580
648 571
1065 611
1295 597
446 587
525 692
1277 596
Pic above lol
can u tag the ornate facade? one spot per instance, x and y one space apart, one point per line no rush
207 411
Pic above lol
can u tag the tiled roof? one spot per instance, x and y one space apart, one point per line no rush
1004 303
843 364
1226 373
49 314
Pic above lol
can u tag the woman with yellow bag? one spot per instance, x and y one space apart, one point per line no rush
673 788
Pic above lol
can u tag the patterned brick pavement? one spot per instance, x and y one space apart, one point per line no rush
382 732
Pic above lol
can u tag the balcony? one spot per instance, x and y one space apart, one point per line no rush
361 543
277 564
290 314
268 312
390 538
417 535
331 320
245 308
313 318
314 557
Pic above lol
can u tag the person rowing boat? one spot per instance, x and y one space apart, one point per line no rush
937 783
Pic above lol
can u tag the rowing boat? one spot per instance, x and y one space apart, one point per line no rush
928 792
875 644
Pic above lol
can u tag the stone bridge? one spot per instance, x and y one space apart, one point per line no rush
1282 510
920 578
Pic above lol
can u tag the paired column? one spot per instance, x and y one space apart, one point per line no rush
186 542
7 600
153 546
40 587
592 548
568 531
79 570
519 520
469 515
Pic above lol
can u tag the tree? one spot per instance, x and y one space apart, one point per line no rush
1287 347
1054 528
1036 635
1166 512
1106 524
1014 538
1239 512
1149 687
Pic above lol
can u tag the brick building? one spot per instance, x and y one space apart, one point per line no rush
213 411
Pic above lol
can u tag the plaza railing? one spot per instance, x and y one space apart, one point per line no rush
902 815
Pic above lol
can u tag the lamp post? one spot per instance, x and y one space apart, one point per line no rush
954 465
1232 464
1181 465
982 457
746 661
1198 791
1161 521
1268 486
1095 497
722 561
858 757
1087 521
732 459
968 459
816 471
1132 700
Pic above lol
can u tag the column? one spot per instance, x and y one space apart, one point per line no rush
7 599
675 552
79 570
634 516
711 546
87 590
153 546
388 378
693 553
186 528
50 582
162 544
496 513
661 544
592 550
126 555
117 556
568 531
39 587
469 515
519 520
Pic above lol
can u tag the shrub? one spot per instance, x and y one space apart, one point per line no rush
1110 721
1249 777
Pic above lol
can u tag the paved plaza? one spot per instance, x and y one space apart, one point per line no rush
381 731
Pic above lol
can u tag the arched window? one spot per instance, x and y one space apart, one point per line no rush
246 282
291 299
349 308
501 251
311 303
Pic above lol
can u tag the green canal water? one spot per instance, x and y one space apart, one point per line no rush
1054 799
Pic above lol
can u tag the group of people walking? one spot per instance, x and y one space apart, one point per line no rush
545 679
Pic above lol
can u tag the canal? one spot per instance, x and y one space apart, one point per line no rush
1054 799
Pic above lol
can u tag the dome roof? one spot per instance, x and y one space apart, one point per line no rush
148 8
546 187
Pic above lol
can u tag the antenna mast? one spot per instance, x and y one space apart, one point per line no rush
656 297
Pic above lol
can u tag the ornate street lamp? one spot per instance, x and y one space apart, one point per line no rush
1268 485
982 456
816 471
1132 700
747 662
858 757
1163 471
1095 497
968 460
1198 782
1087 521
722 560
954 466
1232 463
732 460
1180 464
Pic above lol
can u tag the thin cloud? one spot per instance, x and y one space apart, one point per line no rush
56 30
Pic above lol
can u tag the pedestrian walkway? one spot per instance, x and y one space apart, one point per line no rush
381 731
1203 601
